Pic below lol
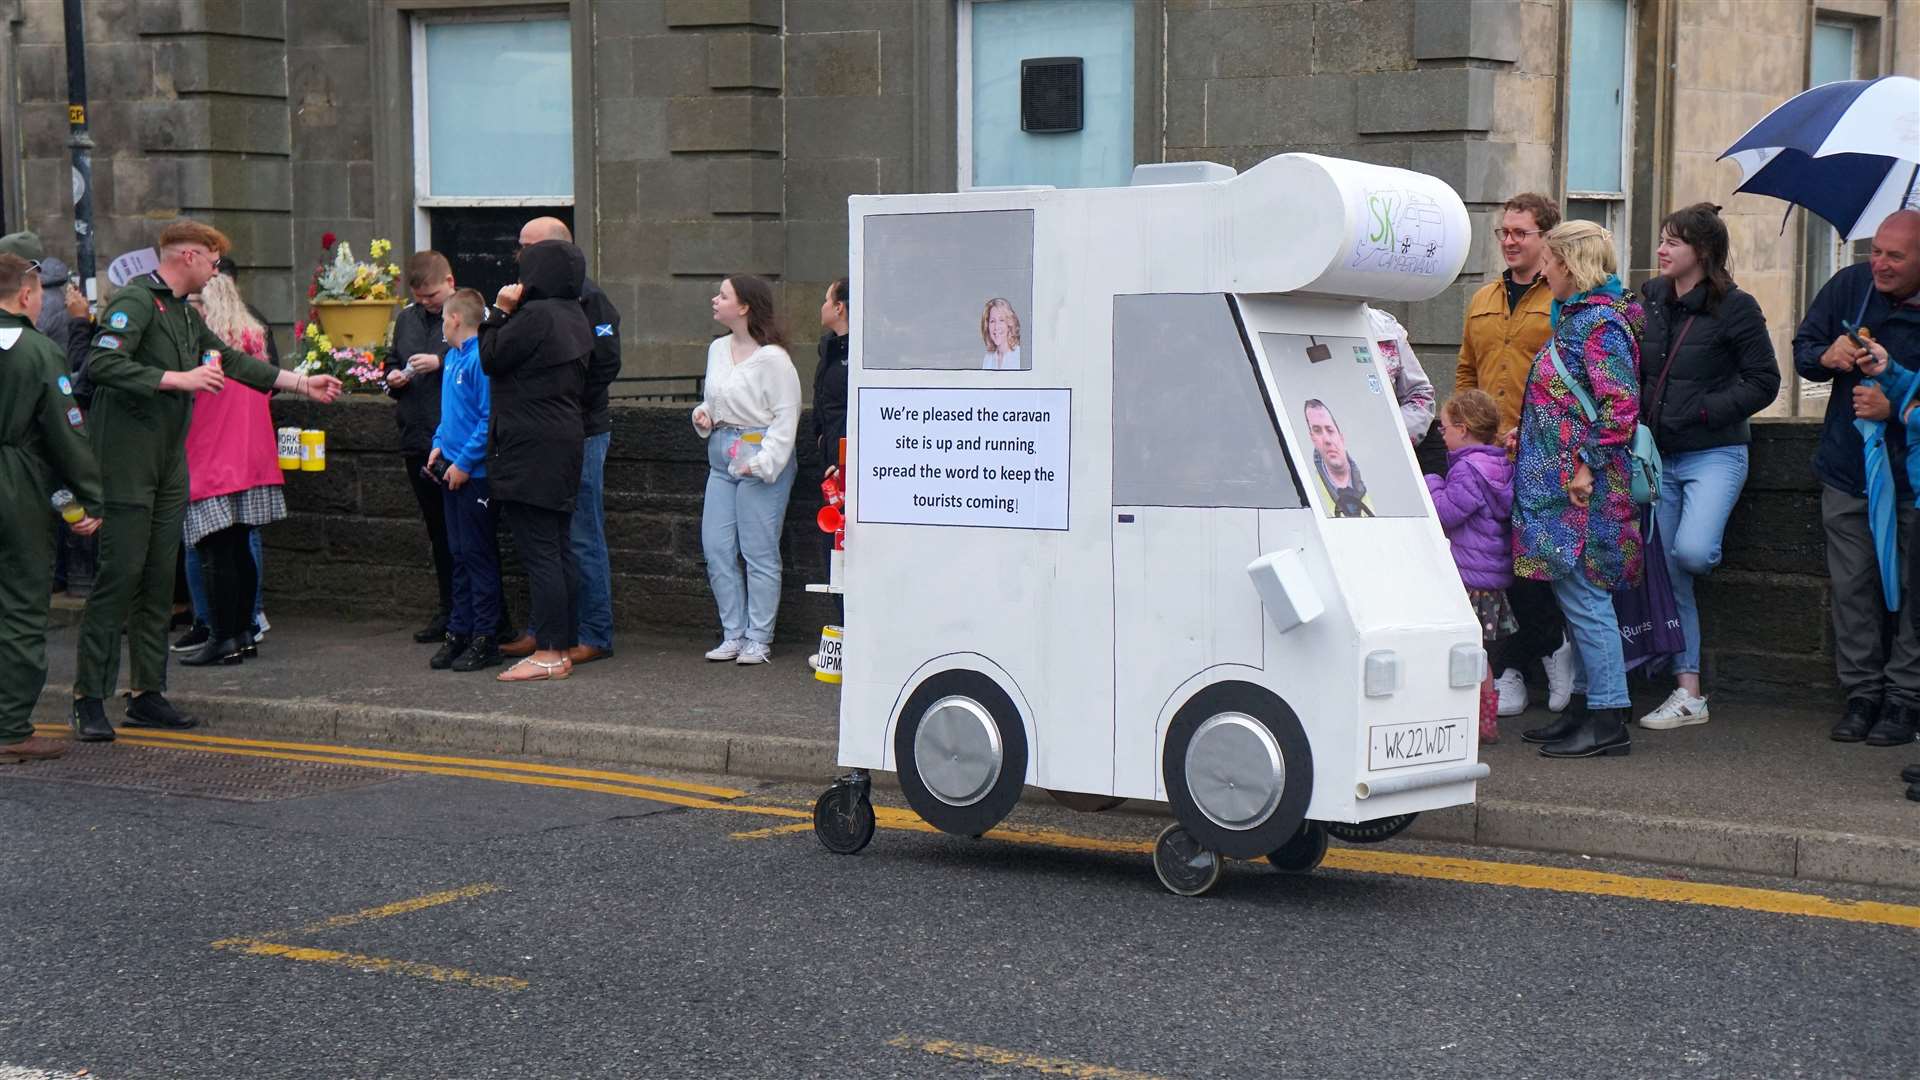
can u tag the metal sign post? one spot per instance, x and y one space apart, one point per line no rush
81 145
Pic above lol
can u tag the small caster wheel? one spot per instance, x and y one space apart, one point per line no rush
1184 866
1302 853
843 819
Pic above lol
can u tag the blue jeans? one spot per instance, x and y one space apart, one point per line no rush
197 587
589 541
1697 491
741 521
1599 666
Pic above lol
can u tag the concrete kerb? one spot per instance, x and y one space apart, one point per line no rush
1493 823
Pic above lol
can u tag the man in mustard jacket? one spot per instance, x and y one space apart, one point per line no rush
1508 322
43 446
151 354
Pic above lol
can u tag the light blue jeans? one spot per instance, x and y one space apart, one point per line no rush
741 521
1599 664
197 587
589 539
1697 491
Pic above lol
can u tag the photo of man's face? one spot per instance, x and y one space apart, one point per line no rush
1326 437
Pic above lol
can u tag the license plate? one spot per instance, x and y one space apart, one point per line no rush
1396 746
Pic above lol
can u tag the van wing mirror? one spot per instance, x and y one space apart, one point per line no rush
1286 589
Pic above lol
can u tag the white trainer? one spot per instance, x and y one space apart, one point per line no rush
726 650
1681 709
754 652
261 626
1560 677
1512 688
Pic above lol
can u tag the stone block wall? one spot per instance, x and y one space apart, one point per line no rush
354 545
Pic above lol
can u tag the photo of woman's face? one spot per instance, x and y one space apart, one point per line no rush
1000 328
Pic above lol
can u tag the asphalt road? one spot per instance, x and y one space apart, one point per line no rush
575 933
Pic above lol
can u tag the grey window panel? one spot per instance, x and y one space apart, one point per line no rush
1190 421
926 282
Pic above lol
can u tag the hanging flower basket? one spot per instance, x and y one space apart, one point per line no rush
355 324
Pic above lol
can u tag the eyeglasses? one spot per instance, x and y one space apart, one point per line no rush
1504 235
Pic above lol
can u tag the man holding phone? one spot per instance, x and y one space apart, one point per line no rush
417 351
1882 296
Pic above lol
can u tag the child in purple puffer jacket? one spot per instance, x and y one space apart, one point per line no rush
1475 504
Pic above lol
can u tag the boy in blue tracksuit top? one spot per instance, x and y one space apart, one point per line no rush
460 448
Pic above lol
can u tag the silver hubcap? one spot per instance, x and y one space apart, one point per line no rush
957 751
1235 771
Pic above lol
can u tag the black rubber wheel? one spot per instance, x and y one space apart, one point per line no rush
1183 864
1370 832
842 820
1303 853
1284 821
990 808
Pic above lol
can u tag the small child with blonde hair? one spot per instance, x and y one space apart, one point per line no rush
1475 504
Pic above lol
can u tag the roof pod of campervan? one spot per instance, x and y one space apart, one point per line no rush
1302 223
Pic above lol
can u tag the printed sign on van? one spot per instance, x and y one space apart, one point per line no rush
976 458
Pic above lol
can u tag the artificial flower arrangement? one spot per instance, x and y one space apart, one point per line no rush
360 370
344 279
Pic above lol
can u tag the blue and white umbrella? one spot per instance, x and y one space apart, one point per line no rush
1848 151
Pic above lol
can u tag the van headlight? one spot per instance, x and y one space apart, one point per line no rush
1382 673
1466 666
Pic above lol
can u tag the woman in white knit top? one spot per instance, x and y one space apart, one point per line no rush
749 417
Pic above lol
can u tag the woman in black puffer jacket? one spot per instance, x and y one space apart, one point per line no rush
1706 366
534 349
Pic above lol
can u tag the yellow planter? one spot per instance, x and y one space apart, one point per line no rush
360 324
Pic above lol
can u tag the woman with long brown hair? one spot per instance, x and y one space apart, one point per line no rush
749 417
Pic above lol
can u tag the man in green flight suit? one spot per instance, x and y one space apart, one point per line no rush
43 445
145 366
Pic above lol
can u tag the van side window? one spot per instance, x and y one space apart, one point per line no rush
1192 425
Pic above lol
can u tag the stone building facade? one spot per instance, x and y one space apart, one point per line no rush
692 138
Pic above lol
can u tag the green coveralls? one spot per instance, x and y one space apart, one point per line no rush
43 446
140 437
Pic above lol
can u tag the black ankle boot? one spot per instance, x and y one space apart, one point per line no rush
483 652
1603 733
450 650
1560 726
89 719
215 651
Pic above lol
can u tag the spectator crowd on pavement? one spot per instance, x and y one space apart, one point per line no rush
501 404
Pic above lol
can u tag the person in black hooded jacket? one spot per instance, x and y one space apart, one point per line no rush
535 350
1706 366
830 385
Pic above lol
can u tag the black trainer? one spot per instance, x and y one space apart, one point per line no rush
153 710
433 631
1894 728
1560 726
196 636
89 720
483 652
223 651
450 650
1603 734
1853 727
1910 774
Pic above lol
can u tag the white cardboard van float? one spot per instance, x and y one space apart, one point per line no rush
1131 513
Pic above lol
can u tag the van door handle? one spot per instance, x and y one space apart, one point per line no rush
1126 519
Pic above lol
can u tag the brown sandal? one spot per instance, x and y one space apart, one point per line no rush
548 669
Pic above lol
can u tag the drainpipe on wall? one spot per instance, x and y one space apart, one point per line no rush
81 145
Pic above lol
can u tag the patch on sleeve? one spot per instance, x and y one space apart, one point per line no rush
117 320
605 329
73 417
108 341
66 385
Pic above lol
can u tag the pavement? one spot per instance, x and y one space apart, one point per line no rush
1760 789
402 923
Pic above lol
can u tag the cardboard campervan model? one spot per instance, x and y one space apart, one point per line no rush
1131 512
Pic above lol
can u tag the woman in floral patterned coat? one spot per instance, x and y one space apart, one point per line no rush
1574 521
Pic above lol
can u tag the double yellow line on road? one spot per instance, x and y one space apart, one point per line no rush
1354 860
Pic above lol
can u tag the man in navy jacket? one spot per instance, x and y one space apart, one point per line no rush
1881 680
